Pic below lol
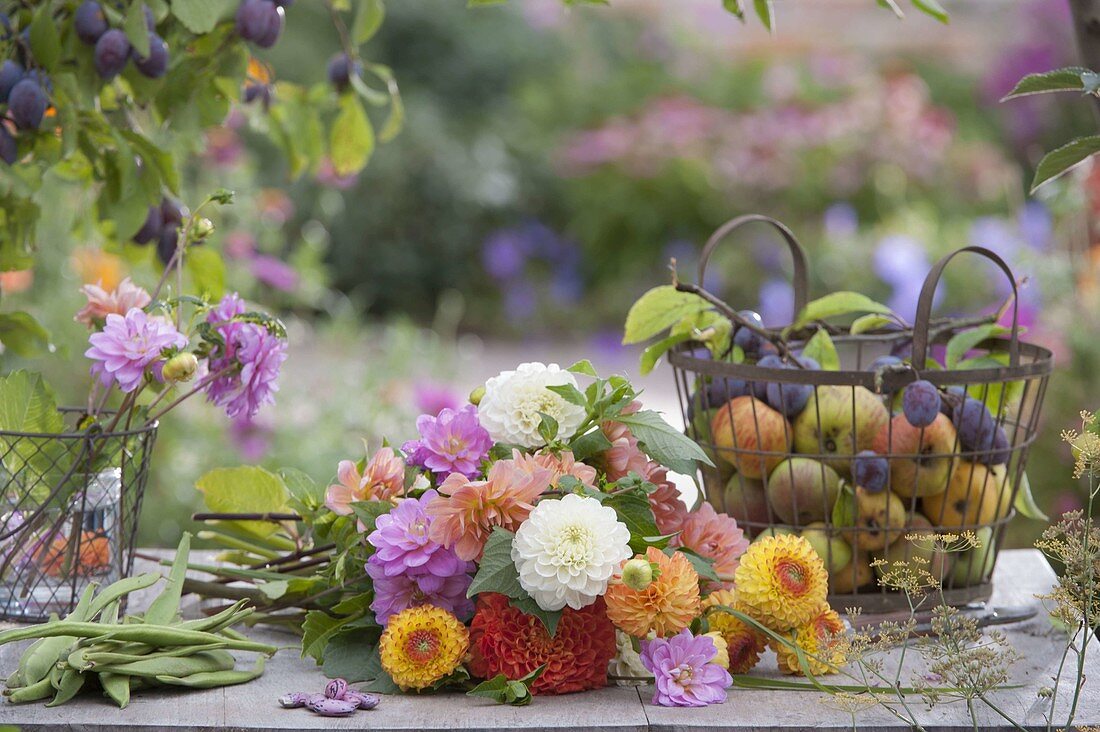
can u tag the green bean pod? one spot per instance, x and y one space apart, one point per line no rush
214 679
232 614
203 662
118 590
156 635
39 690
15 679
108 658
116 687
70 684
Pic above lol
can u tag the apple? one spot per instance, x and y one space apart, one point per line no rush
773 531
928 452
750 435
977 495
880 519
802 490
833 550
852 576
975 565
744 499
919 553
838 422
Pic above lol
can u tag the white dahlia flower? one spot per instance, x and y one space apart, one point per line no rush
510 408
627 663
566 551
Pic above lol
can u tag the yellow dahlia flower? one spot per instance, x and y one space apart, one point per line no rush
422 645
665 606
722 657
781 582
816 638
744 644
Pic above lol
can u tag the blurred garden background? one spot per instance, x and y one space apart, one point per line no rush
553 161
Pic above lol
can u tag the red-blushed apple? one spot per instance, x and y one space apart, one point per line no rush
852 576
838 422
978 494
802 490
924 456
751 436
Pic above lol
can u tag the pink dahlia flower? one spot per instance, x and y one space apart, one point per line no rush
402 545
128 345
451 442
382 478
715 536
558 465
102 303
684 672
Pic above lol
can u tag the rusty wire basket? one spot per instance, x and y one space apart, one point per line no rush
792 473
69 513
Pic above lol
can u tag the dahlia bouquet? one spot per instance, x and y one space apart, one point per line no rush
531 540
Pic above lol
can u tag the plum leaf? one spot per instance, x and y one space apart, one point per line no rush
23 335
821 348
200 16
838 303
664 444
967 340
1070 78
352 137
658 310
1059 161
1024 502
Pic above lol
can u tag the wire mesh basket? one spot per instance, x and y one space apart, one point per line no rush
69 513
785 438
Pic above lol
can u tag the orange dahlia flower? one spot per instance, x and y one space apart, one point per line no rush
818 640
382 478
744 644
504 640
781 582
665 607
466 510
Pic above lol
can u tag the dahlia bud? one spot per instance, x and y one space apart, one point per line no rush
180 367
477 395
202 229
637 573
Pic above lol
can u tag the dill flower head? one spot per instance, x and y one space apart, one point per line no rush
744 644
781 582
422 645
817 640
665 606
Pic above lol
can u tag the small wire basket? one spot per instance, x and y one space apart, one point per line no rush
782 472
69 507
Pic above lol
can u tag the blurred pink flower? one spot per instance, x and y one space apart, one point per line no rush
382 479
274 272
239 244
327 176
118 301
432 398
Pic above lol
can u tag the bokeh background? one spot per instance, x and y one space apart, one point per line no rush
553 162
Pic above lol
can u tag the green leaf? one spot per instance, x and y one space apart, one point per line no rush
503 690
704 567
666 445
23 335
820 347
27 404
636 514
764 12
569 393
369 511
245 489
866 323
497 572
658 310
45 38
1025 503
368 19
379 681
200 16
652 354
844 510
317 630
1059 80
302 486
548 427
275 589
1057 162
966 340
352 137
207 270
344 655
838 303
136 29
589 444
584 366
932 8
735 7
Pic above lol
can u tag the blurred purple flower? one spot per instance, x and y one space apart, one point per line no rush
996 233
899 259
519 301
903 300
566 288
1035 225
432 398
274 272
840 221
251 438
504 254
776 305
239 244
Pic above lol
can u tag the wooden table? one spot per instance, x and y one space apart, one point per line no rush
1019 575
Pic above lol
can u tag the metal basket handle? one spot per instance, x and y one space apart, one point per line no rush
928 291
798 255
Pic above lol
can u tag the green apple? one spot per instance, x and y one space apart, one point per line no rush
833 550
802 490
975 565
838 422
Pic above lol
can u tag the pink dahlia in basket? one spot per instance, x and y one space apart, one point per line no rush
451 442
383 478
128 345
466 511
504 640
102 303
684 671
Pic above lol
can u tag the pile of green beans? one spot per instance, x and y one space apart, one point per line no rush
92 645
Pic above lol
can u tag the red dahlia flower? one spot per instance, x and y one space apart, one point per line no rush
504 640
